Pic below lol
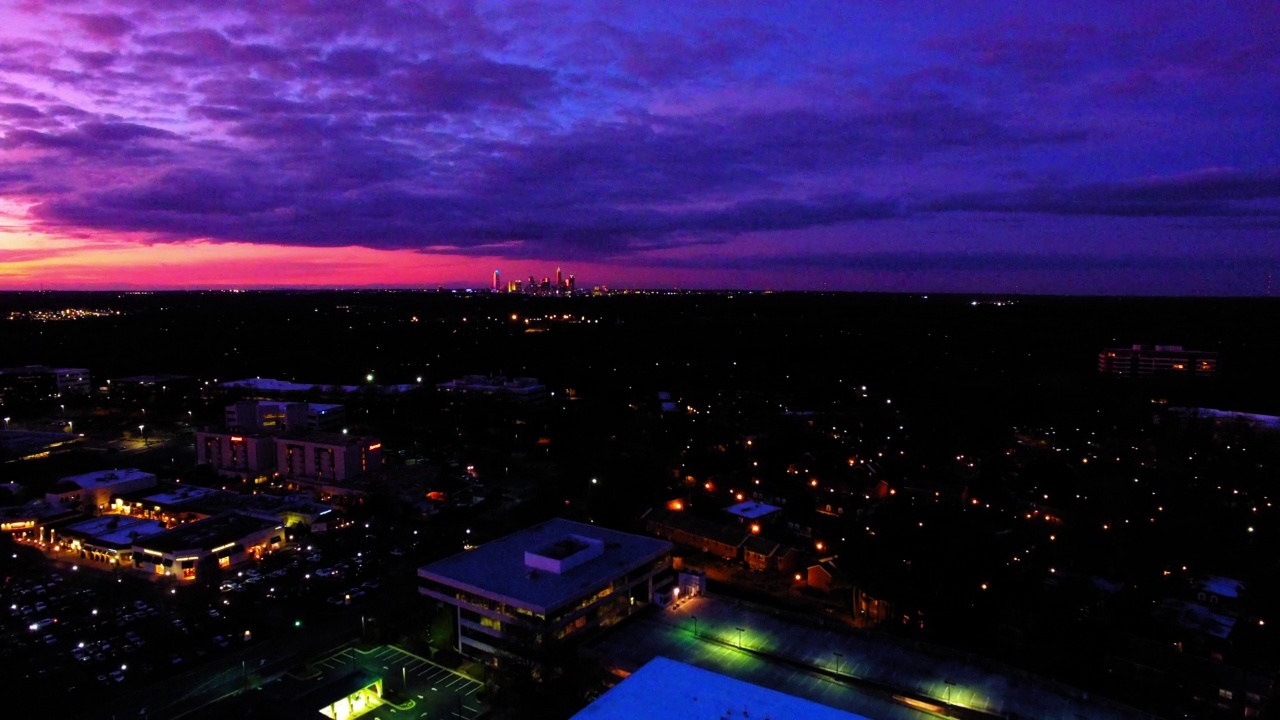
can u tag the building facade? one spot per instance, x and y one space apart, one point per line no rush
1157 361
237 454
281 416
37 382
324 457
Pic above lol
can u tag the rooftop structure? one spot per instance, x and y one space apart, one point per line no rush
700 695
113 530
180 495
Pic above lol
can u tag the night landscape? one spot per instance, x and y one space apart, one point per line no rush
869 361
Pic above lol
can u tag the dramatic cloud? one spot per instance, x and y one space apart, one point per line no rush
729 135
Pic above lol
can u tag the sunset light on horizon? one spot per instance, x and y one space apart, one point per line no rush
1095 148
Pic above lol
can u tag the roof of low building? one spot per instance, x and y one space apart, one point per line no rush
700 695
208 533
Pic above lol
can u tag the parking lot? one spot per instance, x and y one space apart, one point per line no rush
437 692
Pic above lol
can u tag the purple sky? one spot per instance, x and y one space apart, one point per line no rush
1086 147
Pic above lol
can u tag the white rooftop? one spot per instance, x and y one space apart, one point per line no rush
107 478
752 510
691 693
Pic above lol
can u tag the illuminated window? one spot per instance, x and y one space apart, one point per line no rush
224 561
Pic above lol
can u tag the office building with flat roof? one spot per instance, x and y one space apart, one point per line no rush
521 601
38 382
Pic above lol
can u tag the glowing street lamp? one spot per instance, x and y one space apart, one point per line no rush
740 631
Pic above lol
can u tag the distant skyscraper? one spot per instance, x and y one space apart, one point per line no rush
559 280
572 284
497 280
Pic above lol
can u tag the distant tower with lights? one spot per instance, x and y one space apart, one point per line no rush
497 280
559 280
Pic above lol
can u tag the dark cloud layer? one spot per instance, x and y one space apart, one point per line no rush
599 132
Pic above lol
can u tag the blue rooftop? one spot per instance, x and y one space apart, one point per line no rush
696 694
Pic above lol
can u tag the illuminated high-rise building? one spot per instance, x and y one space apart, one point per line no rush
497 280
559 280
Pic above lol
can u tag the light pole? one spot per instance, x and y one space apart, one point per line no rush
6 424
839 656
949 684
404 673
740 631
695 625
144 435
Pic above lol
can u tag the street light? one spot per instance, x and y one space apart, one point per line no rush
839 656
6 424
695 625
740 631
144 436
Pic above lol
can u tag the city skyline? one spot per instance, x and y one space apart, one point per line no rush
1058 149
